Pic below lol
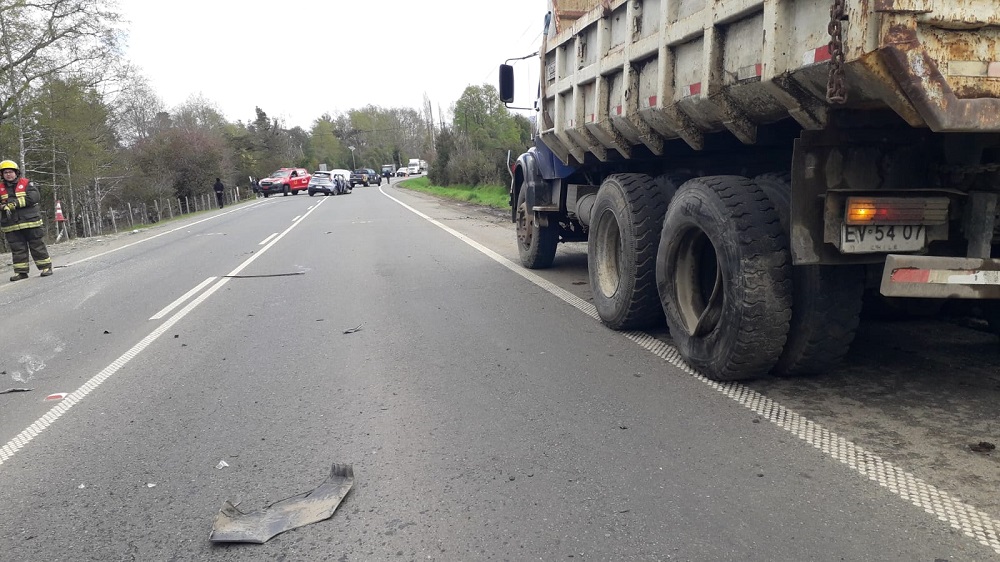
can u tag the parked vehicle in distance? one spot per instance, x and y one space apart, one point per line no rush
413 166
423 166
322 182
402 172
365 177
285 181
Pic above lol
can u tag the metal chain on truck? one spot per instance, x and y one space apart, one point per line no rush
836 89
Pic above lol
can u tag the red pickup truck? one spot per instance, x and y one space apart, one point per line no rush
285 181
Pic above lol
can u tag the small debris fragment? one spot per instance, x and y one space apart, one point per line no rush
56 396
622 427
982 447
756 420
106 332
512 477
81 486
150 485
579 282
352 330
221 465
10 390
176 336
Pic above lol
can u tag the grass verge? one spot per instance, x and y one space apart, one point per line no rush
496 196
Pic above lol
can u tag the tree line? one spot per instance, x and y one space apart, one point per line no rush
87 127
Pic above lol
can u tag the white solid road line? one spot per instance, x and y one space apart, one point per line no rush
268 239
166 310
160 234
23 438
980 526
297 218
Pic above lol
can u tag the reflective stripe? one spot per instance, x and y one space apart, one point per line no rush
46 261
22 226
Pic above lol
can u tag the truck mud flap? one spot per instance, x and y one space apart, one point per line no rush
941 277
232 525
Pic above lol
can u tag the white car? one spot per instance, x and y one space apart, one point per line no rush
402 172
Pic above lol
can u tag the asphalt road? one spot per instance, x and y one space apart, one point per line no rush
486 414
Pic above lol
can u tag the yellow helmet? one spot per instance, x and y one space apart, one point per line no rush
9 165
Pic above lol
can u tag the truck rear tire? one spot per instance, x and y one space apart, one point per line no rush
536 245
724 277
826 301
621 251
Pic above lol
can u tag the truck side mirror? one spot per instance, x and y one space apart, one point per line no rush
506 83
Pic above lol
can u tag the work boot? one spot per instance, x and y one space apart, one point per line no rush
18 276
45 272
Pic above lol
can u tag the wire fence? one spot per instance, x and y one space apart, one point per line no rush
87 221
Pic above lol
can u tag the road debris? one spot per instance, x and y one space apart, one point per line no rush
150 485
982 447
232 525
352 330
11 390
56 396
221 465
265 275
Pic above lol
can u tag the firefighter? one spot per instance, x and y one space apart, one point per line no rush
21 221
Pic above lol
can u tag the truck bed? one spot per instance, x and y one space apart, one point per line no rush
619 74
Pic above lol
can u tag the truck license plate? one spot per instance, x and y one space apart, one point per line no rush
861 239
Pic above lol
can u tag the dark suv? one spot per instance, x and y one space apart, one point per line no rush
365 177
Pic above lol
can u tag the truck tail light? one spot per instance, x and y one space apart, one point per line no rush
897 210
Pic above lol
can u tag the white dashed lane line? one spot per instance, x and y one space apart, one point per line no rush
41 424
975 524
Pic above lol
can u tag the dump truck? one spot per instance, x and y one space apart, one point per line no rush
746 169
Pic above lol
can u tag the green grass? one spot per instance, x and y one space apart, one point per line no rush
496 196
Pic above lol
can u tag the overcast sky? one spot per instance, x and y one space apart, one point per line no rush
297 59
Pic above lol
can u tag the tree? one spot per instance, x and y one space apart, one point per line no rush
135 108
485 131
325 147
49 37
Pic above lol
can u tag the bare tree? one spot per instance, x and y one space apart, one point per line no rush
46 37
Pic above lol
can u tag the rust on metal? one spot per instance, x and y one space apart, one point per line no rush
902 6
928 90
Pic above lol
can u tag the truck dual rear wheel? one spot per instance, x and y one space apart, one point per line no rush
725 277
621 251
827 300
536 244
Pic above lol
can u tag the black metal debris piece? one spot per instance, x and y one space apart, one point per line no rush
983 447
10 390
352 330
232 525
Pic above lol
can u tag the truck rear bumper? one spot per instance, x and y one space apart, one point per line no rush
941 277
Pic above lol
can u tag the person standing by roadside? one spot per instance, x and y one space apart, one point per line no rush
21 221
220 191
